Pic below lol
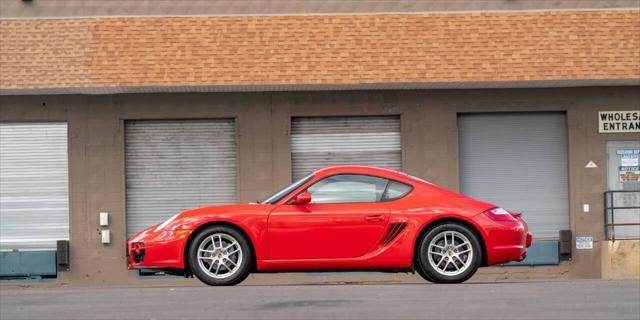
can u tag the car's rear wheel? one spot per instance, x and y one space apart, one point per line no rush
449 253
220 256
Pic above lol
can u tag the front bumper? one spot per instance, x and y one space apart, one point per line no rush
163 249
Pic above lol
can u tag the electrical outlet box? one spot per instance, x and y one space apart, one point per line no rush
104 219
62 255
564 245
106 236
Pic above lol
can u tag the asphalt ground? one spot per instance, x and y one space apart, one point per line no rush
581 299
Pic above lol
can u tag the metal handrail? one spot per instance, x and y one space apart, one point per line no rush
610 211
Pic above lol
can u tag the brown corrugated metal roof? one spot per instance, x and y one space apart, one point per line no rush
349 50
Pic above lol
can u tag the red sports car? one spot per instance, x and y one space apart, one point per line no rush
342 218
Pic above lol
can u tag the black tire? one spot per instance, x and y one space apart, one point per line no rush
242 270
421 273
430 273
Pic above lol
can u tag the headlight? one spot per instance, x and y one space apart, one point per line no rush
166 223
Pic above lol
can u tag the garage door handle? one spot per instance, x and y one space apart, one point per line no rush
377 217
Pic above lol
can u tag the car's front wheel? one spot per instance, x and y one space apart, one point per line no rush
220 256
449 253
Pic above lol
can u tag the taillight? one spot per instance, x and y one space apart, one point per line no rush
499 214
137 249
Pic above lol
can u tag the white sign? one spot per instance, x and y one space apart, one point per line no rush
628 152
629 174
591 164
619 121
629 170
629 160
584 242
629 157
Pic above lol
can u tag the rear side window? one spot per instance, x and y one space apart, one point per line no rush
348 188
396 190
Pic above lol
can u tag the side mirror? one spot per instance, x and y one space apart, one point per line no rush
302 199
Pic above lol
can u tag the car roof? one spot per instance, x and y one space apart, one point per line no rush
360 169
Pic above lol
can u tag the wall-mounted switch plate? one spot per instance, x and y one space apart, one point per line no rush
104 219
106 236
585 208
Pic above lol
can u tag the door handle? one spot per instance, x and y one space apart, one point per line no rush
377 217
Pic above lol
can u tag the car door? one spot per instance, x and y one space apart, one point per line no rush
345 219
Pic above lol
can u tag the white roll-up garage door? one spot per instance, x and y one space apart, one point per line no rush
34 185
518 161
318 142
172 166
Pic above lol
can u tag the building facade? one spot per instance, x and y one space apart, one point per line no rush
138 118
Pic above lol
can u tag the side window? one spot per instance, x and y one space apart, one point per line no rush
396 190
348 188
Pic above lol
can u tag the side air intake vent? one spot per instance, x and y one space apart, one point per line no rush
394 230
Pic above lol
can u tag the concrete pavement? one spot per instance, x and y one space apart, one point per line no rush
582 299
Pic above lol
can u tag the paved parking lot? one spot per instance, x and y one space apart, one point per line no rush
593 299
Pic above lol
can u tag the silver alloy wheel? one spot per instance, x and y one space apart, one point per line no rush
219 255
450 253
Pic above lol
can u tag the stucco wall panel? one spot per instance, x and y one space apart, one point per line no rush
621 259
429 138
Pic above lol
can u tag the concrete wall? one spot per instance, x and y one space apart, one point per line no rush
82 8
430 150
621 259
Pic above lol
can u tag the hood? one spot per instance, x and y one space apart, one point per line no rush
227 209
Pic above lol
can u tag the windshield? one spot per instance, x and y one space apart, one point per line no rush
276 197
